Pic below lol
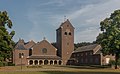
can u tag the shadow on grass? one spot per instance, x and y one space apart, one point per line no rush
62 72
86 67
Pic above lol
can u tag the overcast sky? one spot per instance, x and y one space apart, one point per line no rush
35 19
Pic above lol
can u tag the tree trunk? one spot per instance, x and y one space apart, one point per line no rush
116 60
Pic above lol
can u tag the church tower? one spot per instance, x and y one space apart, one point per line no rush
65 41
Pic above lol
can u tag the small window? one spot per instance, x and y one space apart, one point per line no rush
67 43
67 25
22 54
19 55
65 33
69 33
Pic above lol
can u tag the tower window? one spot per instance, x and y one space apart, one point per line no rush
67 43
65 33
67 25
69 33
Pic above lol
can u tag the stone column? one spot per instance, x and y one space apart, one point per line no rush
57 62
38 62
61 62
48 62
43 62
28 62
33 62
53 62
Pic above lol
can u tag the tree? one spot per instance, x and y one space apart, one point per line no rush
110 36
76 45
6 42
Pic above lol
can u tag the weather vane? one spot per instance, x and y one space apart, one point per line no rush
64 18
44 38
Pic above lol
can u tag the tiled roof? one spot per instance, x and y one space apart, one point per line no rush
30 44
20 47
93 47
44 57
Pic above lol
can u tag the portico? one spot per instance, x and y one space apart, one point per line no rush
44 60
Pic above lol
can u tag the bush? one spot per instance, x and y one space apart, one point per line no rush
1 64
112 62
11 64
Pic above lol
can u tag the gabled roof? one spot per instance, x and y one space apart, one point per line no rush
20 47
30 44
94 47
45 41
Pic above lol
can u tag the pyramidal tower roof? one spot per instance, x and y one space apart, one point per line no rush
66 22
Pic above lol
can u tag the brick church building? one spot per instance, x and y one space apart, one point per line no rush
44 53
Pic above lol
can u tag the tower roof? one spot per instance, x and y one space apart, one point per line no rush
66 22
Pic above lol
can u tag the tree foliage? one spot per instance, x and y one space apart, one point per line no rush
6 42
76 45
110 36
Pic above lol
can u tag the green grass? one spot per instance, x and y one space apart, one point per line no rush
58 70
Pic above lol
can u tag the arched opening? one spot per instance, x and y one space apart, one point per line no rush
51 62
31 62
36 62
40 62
60 62
65 33
69 33
45 62
55 62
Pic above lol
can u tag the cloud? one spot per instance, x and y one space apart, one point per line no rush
47 17
89 17
87 35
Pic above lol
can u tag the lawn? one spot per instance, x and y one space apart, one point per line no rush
57 70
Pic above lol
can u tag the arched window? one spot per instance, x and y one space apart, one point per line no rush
65 33
69 33
19 55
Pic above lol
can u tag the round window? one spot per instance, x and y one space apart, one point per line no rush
44 50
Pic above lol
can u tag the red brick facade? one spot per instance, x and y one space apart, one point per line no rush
44 53
65 41
90 55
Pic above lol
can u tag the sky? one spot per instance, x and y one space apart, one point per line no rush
36 19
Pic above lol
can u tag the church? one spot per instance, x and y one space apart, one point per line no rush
63 53
43 52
